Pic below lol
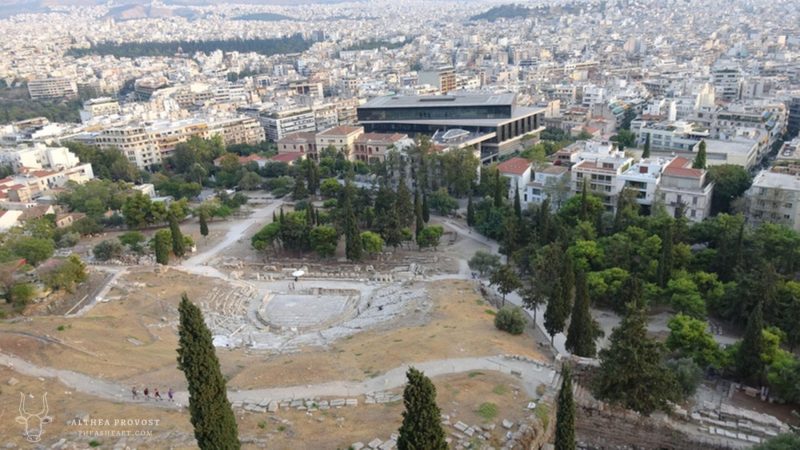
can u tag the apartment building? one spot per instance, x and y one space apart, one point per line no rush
642 178
444 79
98 107
342 138
280 123
549 183
601 176
687 188
237 130
727 82
48 88
133 141
774 197
39 156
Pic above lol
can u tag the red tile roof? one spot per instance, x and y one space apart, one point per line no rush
514 166
288 157
682 167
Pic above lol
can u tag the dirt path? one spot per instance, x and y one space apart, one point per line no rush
236 231
531 374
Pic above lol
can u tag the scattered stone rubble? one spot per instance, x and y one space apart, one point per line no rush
737 423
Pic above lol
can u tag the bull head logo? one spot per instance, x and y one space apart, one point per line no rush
34 422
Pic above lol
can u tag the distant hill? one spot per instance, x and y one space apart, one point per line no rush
503 12
264 17
138 11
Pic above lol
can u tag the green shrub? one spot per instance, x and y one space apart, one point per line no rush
487 411
511 320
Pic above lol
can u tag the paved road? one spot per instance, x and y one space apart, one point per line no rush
531 375
560 339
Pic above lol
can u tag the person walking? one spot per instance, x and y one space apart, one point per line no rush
156 394
146 393
134 393
171 395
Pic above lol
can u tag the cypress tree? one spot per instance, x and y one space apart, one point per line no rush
560 302
700 159
404 204
274 218
161 244
632 371
583 329
310 215
517 204
211 414
351 232
300 192
470 211
426 210
178 246
498 189
665 261
584 202
204 224
749 365
420 224
422 422
646 151
565 415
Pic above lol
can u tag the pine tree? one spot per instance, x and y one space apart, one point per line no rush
204 224
565 415
470 211
211 414
646 151
178 246
700 159
665 261
749 365
300 192
422 422
498 189
632 371
583 329
426 210
517 204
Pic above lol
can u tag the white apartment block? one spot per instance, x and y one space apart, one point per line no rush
280 123
151 143
683 185
552 183
38 157
774 197
45 88
99 107
642 178
602 177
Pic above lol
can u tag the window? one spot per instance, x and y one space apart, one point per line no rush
693 213
694 200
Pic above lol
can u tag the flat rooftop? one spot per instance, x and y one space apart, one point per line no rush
406 101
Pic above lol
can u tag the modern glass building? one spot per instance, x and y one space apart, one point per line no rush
498 118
